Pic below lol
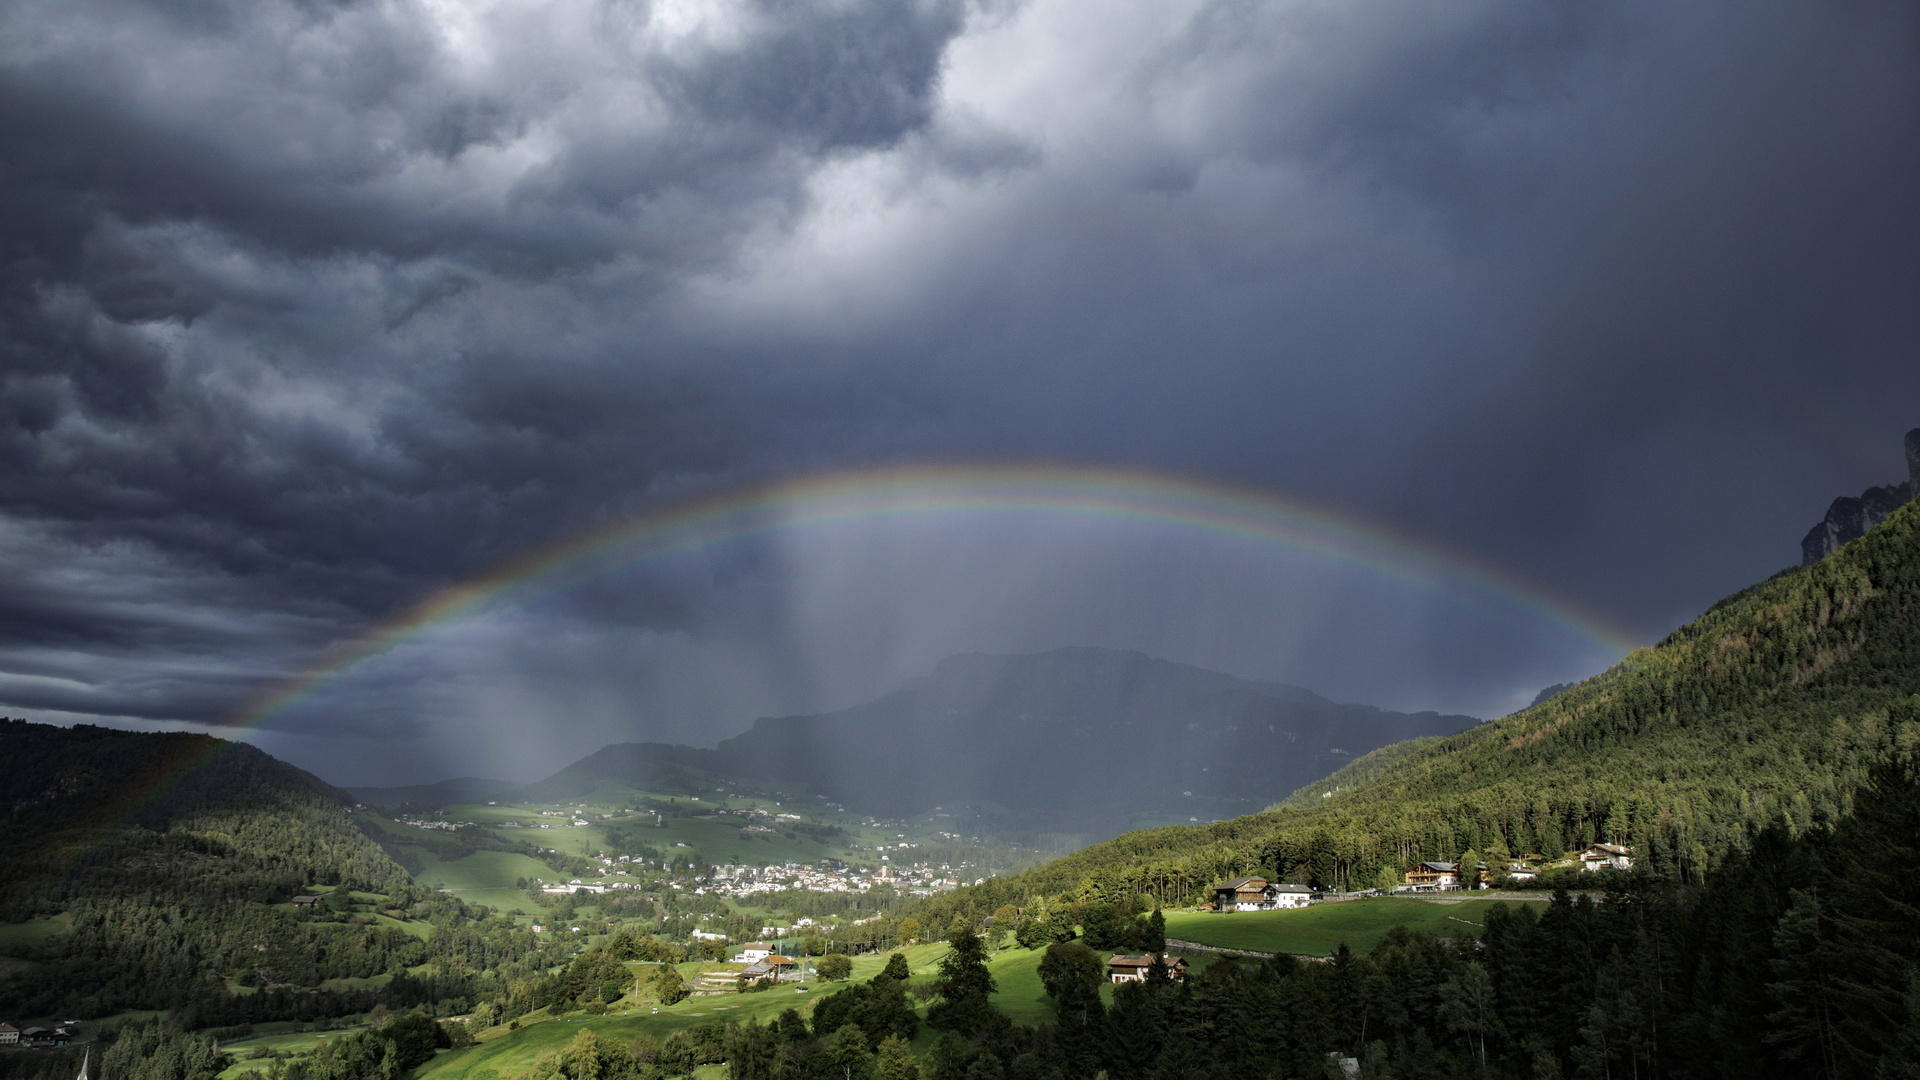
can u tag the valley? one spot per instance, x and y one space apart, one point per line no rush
977 742
1754 772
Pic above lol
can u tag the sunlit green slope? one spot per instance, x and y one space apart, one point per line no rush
1770 706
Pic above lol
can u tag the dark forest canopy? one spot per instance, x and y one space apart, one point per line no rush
172 857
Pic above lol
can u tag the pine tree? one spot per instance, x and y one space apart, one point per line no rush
1871 872
1155 941
896 1061
1467 1007
964 984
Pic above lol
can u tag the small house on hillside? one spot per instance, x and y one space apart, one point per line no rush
1292 896
1258 894
9 1035
41 1038
1134 968
1606 857
769 967
754 950
305 901
1433 877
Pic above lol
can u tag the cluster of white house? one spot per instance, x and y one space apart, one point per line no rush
748 880
1259 894
1441 876
743 881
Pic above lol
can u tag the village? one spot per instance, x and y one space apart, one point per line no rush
740 882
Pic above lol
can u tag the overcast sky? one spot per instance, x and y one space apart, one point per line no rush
310 309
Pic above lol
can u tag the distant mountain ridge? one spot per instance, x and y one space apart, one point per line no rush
1849 518
1080 738
1771 707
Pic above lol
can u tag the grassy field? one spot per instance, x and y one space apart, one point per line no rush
297 1042
480 870
1320 929
505 900
34 931
502 1053
417 927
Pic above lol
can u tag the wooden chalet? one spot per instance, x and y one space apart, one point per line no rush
1243 894
1433 877
1606 857
1124 968
1258 894
41 1038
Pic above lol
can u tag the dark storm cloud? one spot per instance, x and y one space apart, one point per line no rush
306 309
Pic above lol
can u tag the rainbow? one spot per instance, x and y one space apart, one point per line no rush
956 491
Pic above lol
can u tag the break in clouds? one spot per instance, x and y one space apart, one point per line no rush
308 309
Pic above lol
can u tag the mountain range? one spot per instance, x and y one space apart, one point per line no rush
1771 708
1073 740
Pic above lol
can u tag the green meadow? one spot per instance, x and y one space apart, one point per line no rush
33 931
290 1042
480 870
503 1053
1322 928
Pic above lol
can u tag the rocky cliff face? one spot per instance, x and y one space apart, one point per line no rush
1848 518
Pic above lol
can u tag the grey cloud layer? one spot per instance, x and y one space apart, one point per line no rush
306 308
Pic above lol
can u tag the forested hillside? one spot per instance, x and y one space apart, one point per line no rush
1771 707
168 859
98 813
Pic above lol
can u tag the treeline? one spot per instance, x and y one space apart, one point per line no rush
1771 707
150 1050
